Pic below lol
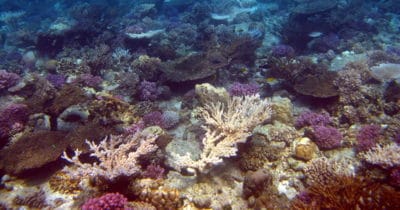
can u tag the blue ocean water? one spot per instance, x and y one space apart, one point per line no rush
208 104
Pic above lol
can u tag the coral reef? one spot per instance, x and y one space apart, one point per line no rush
217 104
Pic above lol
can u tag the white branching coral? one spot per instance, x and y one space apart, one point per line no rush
117 156
323 171
385 156
226 125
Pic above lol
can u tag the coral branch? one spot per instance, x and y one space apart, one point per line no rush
226 126
117 155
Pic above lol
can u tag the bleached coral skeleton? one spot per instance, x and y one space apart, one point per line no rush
226 125
117 155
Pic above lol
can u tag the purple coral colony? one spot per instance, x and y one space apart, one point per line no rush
199 104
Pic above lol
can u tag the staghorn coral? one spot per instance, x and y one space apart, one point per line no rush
117 155
225 126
